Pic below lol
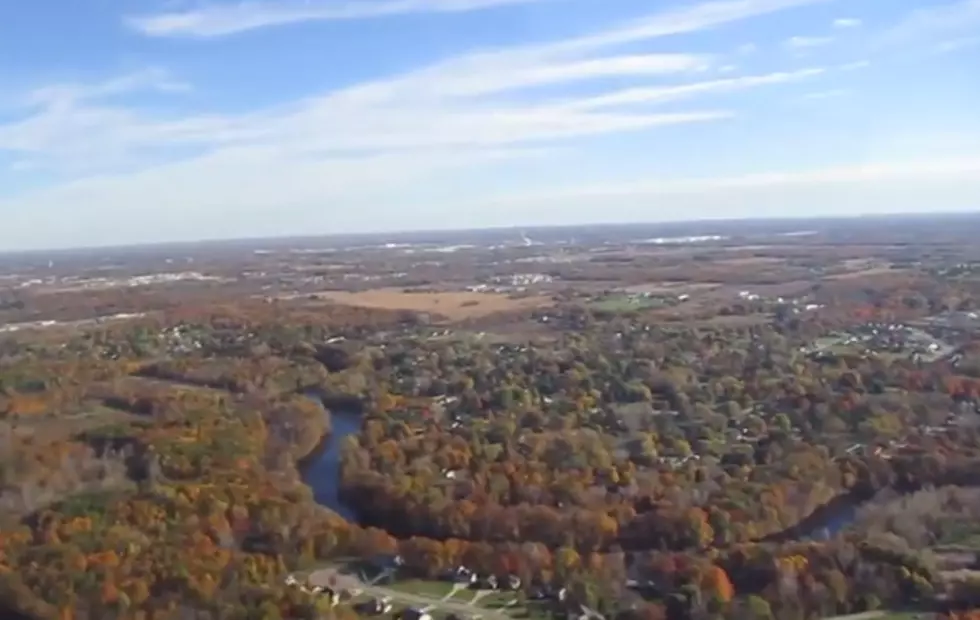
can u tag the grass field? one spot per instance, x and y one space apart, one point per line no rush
440 597
436 589
43 428
625 303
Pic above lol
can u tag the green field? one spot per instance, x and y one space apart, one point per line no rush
435 589
625 303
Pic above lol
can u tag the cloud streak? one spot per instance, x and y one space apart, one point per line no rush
844 23
229 19
667 94
462 103
956 45
232 18
380 140
153 79
940 22
807 43
965 167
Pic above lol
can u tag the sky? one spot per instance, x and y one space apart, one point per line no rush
141 121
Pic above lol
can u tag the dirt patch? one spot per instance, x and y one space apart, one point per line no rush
455 305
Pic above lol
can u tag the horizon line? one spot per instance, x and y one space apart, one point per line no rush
501 228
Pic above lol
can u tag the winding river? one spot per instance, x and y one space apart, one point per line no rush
321 469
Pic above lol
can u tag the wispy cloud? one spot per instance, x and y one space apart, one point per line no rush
855 65
938 22
674 93
843 190
457 103
956 45
851 173
823 95
847 22
806 43
475 111
151 79
225 19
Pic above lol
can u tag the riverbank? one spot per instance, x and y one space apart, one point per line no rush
824 522
320 468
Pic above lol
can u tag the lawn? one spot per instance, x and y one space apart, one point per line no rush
625 303
434 589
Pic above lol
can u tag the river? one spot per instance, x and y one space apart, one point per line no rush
321 469
834 523
825 522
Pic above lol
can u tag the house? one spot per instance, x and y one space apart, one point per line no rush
485 583
413 613
375 607
460 575
329 593
386 562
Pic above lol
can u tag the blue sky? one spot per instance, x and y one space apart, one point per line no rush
125 121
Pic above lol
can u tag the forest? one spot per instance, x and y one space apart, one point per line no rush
653 469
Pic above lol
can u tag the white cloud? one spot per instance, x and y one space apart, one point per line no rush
956 45
445 104
847 190
358 146
805 43
847 22
856 65
172 202
853 173
150 79
225 19
822 95
938 22
484 74
673 93
78 125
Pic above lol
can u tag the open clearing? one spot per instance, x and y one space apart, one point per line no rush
864 273
47 427
750 261
455 305
669 288
440 598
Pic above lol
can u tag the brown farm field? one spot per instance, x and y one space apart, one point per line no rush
454 305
